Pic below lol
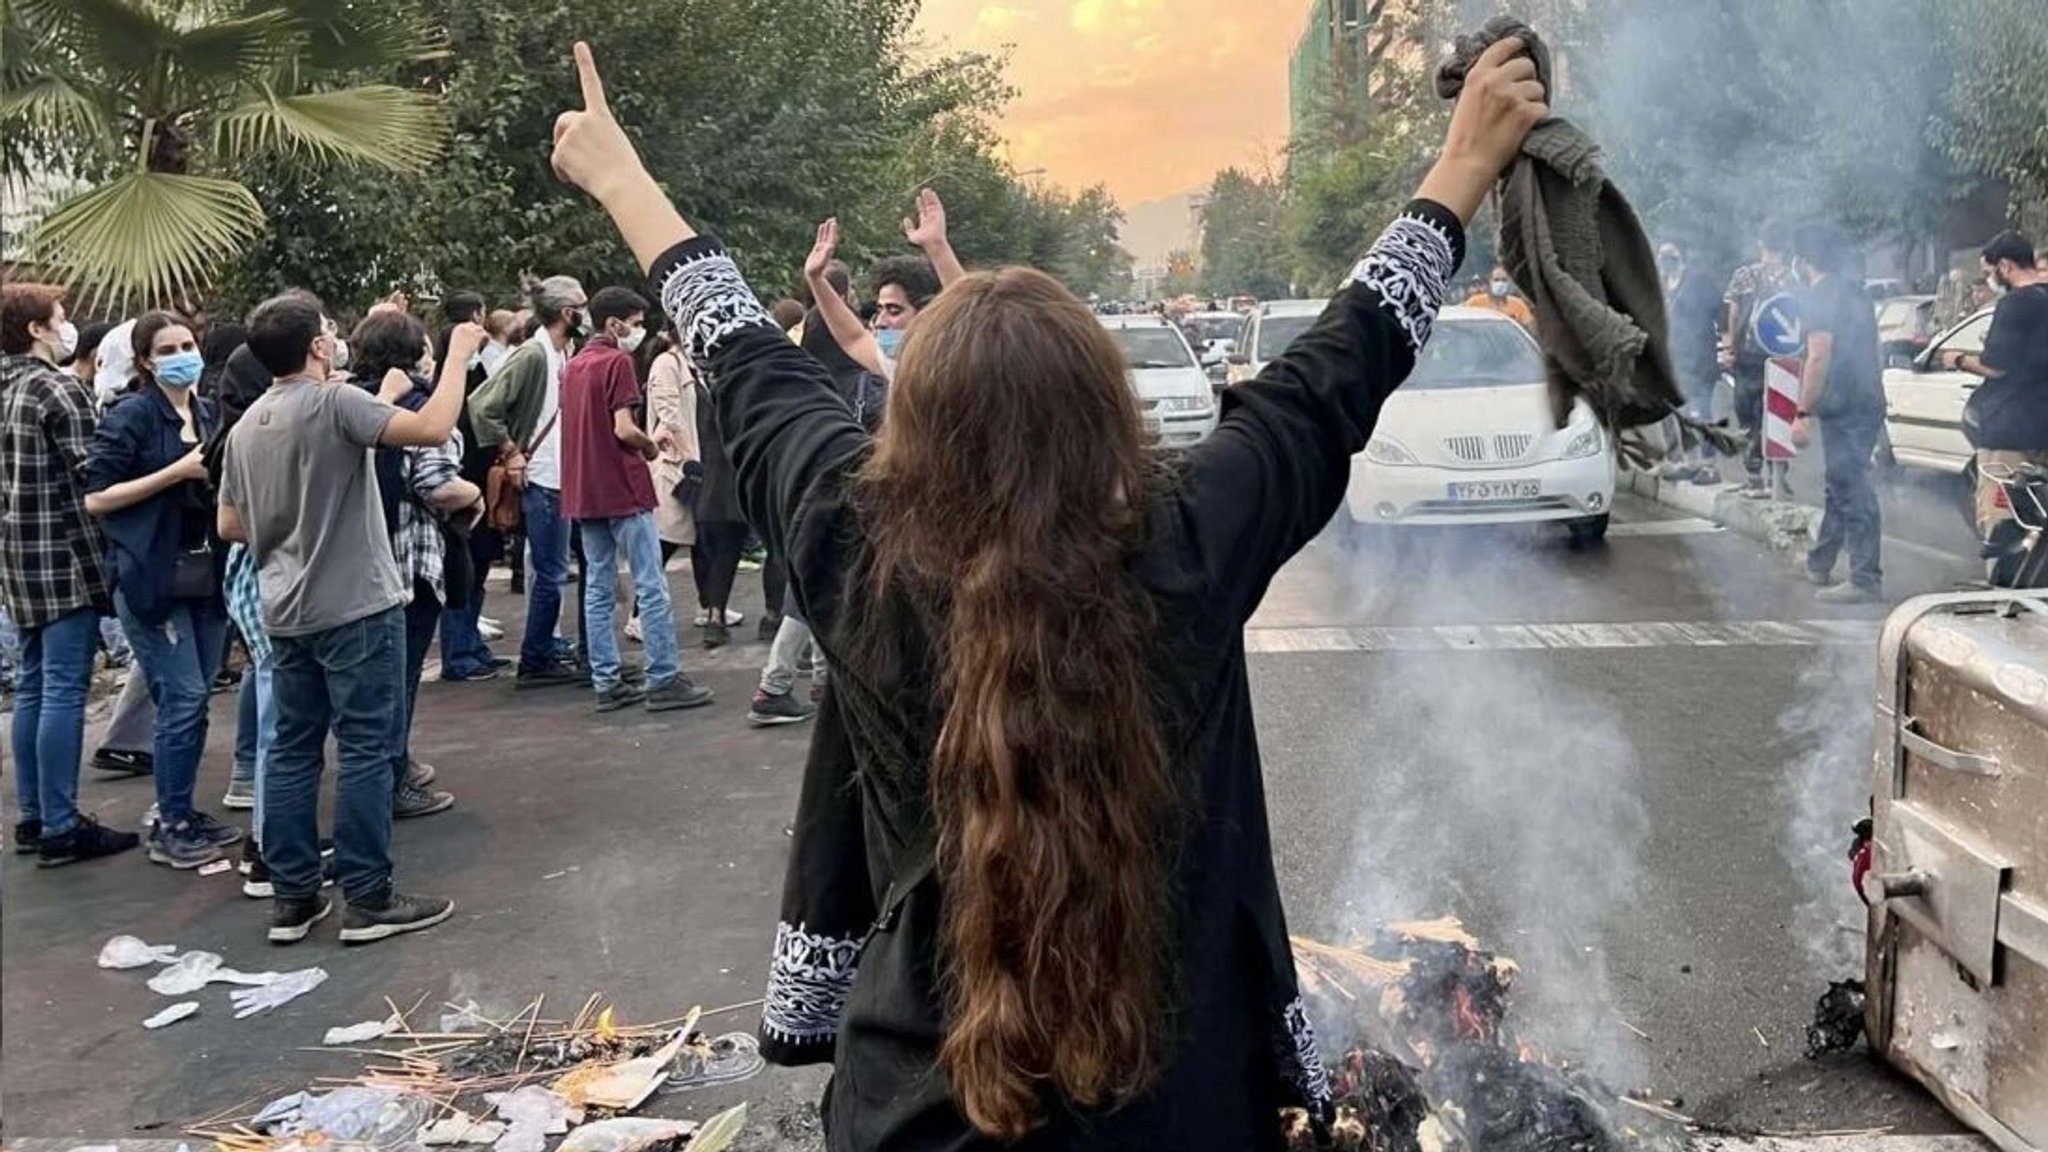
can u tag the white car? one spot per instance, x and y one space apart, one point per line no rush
1471 439
1267 333
1179 406
1923 404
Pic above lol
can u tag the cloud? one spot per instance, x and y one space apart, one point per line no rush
1147 97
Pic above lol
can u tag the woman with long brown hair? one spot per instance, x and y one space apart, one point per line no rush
1031 899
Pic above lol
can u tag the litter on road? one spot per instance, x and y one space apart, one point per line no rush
128 952
172 1015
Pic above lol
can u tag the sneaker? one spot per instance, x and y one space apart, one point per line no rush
86 840
748 564
123 762
1818 578
770 625
419 774
410 801
450 676
680 692
489 629
28 837
240 796
1707 476
182 846
770 709
1849 594
255 873
620 695
395 915
633 632
219 834
291 920
716 636
733 618
553 674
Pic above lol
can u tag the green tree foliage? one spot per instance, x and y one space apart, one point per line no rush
168 107
1994 122
1244 237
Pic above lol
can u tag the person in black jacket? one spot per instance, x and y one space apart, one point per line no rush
1031 901
147 483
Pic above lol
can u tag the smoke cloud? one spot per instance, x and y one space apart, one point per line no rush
1826 789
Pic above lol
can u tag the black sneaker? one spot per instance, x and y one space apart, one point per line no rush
770 709
397 914
291 920
183 847
86 840
122 762
681 692
716 636
770 625
411 801
620 695
553 674
28 837
222 835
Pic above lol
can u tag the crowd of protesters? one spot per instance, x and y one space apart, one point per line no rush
174 489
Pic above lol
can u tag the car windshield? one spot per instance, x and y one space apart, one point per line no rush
1217 327
1277 332
1153 348
1476 354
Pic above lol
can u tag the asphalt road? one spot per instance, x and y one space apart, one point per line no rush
1632 768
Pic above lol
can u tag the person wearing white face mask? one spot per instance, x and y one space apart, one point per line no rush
609 494
147 484
53 578
1499 296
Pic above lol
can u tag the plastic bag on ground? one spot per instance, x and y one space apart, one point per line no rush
466 1018
461 1128
727 1059
534 1114
188 975
382 1118
128 952
172 1015
626 1134
286 988
280 1112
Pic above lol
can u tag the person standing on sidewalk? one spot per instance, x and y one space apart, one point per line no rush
2007 418
1843 388
518 413
298 486
53 580
147 482
609 493
1751 285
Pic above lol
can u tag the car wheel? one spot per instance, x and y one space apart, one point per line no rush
1589 531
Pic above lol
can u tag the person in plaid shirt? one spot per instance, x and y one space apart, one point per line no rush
52 573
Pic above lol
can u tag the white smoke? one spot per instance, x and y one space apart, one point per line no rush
1826 789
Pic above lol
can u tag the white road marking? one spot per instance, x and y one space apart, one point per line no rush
1580 637
1684 526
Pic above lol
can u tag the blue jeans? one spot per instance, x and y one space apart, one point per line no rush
1853 519
49 717
348 680
603 540
265 719
463 649
248 731
547 534
180 658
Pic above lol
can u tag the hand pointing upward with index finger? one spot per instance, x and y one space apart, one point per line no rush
593 153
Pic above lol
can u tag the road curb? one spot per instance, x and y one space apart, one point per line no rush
1782 527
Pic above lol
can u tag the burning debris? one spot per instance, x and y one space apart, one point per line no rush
1426 1057
540 1077
1837 1019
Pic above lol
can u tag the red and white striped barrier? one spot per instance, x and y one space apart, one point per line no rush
1781 406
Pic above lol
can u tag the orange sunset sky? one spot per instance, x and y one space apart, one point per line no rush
1148 96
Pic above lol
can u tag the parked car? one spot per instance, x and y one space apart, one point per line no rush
1905 326
1924 401
1471 439
1267 333
1178 405
1214 336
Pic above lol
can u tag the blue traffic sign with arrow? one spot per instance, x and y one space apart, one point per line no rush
1778 327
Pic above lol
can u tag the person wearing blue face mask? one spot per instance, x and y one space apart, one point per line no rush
147 483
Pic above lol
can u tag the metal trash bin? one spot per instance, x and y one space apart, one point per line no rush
1957 968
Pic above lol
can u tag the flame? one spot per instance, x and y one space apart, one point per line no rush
605 1031
1529 1054
1470 1024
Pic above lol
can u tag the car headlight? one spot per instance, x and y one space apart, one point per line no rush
1184 404
1590 442
1381 450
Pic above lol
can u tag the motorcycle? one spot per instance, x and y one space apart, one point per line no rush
2016 551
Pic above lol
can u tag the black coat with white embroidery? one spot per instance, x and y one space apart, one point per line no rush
1240 505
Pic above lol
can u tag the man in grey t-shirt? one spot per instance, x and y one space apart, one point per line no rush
299 487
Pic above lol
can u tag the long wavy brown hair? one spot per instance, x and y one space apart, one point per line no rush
1009 485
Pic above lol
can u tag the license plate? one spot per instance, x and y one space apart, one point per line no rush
1482 490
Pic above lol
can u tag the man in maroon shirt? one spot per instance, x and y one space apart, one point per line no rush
608 492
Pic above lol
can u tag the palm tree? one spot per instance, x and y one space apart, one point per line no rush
156 105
